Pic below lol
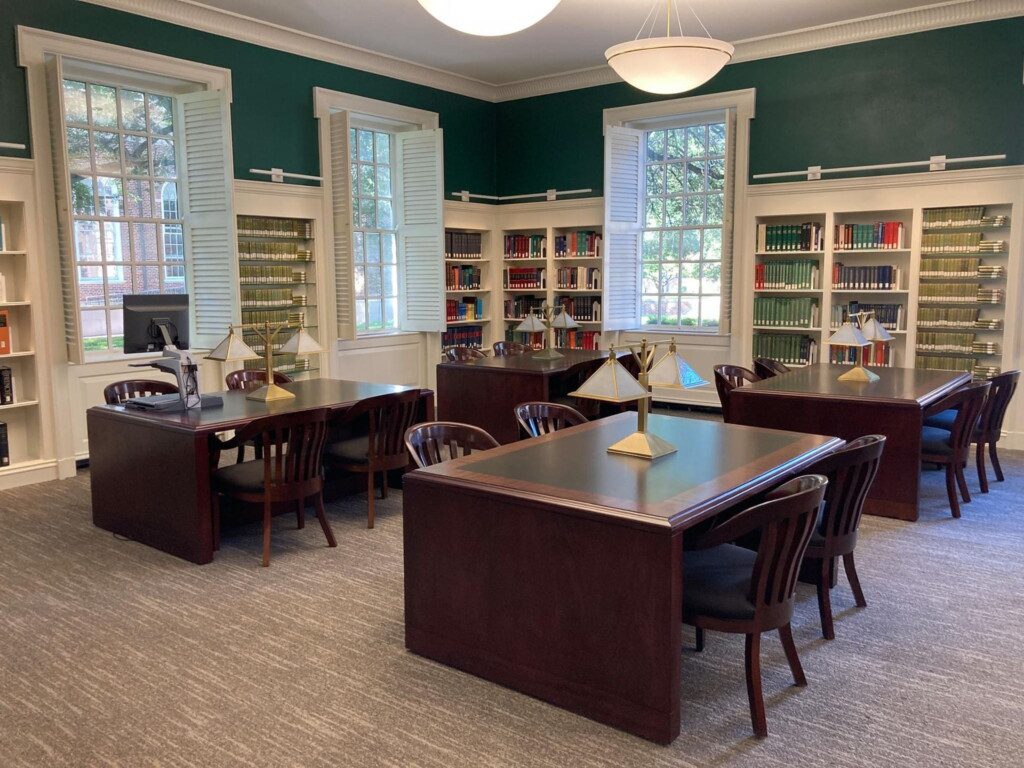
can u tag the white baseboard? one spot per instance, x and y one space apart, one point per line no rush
27 474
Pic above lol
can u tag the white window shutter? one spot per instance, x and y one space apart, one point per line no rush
623 223
203 131
728 222
421 230
62 190
341 203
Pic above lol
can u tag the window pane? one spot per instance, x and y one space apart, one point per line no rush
360 282
655 212
711 278
651 246
689 278
713 244
391 313
164 163
649 310
75 108
82 203
691 244
173 240
387 243
354 178
674 181
649 278
161 115
144 242
716 175
696 140
79 156
87 241
372 248
116 245
133 110
389 284
366 146
119 282
670 246
384 180
104 106
367 184
655 179
360 315
674 212
147 279
694 210
695 176
711 311
373 282
168 208
669 311
106 152
689 309
136 155
385 215
715 211
367 212
669 278
357 245
94 328
383 141
353 144
375 320
109 196
716 139
656 146
676 146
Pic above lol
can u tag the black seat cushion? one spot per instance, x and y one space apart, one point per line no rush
246 477
352 450
943 420
716 582
935 441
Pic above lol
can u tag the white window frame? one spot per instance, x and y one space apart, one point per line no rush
668 113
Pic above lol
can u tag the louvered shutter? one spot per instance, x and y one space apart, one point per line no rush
728 221
623 212
421 230
62 190
203 130
341 204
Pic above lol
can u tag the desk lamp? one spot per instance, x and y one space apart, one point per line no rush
672 372
552 318
873 330
849 335
234 348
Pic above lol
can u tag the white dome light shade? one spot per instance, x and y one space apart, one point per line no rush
669 64
489 18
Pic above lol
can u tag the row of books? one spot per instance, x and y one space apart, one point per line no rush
293 317
584 242
525 277
463 245
876 356
889 315
283 364
956 293
267 298
462 278
7 393
260 250
982 371
272 226
885 277
466 308
963 216
809 236
798 274
526 247
944 363
6 343
576 278
578 339
250 274
880 234
5 447
788 348
463 336
521 306
960 267
786 312
945 341
582 307
959 242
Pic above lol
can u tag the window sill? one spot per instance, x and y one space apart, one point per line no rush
689 338
382 339
143 357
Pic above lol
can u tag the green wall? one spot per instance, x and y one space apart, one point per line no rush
272 110
954 91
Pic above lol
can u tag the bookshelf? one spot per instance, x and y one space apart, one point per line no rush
962 289
278 283
468 279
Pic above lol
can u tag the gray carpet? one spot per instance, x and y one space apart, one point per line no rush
114 654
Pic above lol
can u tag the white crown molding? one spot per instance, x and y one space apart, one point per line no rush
25 165
195 15
304 191
917 179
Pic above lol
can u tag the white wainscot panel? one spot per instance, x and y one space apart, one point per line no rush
392 359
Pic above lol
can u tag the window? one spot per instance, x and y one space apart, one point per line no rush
684 212
127 228
374 230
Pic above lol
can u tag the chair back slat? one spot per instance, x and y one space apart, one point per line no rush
1002 388
727 378
456 354
539 418
439 441
968 403
390 417
292 446
122 391
509 348
250 379
765 367
850 471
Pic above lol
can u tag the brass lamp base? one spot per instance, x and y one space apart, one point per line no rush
859 373
269 393
643 445
547 354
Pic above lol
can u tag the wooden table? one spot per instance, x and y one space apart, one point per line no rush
555 568
150 472
813 400
484 392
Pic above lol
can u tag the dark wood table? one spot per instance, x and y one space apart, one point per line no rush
484 392
150 472
813 400
555 568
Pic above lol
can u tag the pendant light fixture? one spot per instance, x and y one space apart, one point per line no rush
669 64
489 18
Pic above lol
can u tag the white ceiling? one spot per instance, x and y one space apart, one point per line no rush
574 36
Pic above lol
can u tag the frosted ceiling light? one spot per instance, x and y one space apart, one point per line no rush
489 18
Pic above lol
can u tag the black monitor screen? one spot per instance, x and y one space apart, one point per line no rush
151 320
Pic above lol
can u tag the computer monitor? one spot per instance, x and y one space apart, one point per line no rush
152 321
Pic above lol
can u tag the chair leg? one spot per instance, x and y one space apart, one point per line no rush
369 499
954 503
961 481
995 461
384 484
752 661
215 513
319 501
266 532
979 459
851 576
825 600
786 636
241 454
300 514
699 643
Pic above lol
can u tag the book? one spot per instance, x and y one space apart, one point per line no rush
3 234
5 333
5 448
3 287
6 385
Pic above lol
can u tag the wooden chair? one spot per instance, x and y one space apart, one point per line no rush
290 470
990 425
765 367
121 392
428 443
510 348
727 378
383 447
537 418
456 354
727 588
850 472
950 448
249 379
